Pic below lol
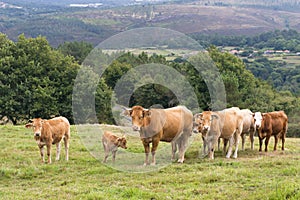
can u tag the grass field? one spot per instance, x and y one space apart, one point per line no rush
253 175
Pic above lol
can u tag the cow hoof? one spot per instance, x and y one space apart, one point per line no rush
153 164
180 161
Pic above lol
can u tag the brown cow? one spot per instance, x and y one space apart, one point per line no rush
111 143
169 125
48 132
268 124
226 124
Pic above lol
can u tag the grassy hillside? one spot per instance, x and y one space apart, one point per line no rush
254 175
61 24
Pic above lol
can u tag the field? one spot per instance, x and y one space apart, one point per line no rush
253 175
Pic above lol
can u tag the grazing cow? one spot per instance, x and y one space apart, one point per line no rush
268 124
111 143
226 124
248 127
48 132
169 125
198 126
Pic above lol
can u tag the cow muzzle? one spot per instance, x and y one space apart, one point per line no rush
37 134
195 130
205 129
136 128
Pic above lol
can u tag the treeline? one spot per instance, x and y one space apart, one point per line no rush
38 81
277 40
278 74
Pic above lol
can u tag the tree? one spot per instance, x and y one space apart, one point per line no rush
79 50
36 81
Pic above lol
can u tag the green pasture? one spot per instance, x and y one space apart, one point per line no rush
253 175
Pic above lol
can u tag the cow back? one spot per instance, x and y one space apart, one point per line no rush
170 122
56 129
275 122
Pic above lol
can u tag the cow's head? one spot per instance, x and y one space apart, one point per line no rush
121 142
207 119
37 125
258 117
139 116
197 123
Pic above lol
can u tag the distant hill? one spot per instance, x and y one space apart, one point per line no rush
61 23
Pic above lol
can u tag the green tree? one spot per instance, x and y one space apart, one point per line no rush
36 81
79 50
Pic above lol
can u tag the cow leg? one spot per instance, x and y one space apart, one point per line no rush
276 141
114 156
237 141
260 143
225 141
49 153
57 151
211 142
106 153
219 141
183 140
252 139
243 141
204 149
147 150
267 142
283 140
174 149
231 142
153 150
42 153
66 142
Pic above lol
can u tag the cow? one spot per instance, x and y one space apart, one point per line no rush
248 127
268 124
226 124
51 131
111 143
198 126
169 125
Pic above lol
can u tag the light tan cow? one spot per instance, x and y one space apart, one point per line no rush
170 125
111 143
226 124
248 127
48 132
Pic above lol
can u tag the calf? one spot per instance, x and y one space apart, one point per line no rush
111 143
268 124
48 132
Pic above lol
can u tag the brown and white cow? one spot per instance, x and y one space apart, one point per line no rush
226 124
268 124
48 132
111 143
169 125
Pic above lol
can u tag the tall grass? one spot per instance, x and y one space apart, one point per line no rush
253 175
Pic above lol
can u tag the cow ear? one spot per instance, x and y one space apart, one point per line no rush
29 125
146 113
127 112
214 116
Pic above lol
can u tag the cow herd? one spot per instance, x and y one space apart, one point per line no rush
175 125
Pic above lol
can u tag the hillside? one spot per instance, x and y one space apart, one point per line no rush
62 23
